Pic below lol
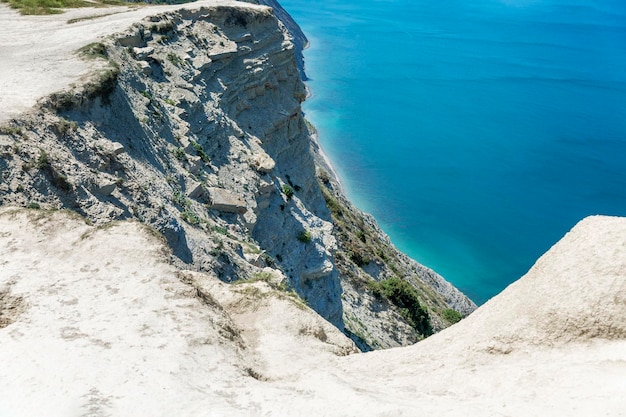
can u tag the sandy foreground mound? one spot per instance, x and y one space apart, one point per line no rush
93 322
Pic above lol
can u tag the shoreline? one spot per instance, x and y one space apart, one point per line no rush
326 162
321 155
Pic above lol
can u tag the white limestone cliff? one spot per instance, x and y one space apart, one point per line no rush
188 119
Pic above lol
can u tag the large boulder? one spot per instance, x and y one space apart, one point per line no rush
227 201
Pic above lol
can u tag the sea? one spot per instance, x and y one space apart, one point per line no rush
476 132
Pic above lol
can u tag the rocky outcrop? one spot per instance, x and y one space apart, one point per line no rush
226 201
298 37
192 125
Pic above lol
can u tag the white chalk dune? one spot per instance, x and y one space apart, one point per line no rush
96 323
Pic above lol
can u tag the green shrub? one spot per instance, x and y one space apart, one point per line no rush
190 217
180 199
175 59
64 126
96 16
451 316
94 50
312 130
179 153
221 230
10 130
162 27
146 94
39 7
304 236
200 151
335 207
262 276
101 84
42 161
358 258
105 82
404 296
288 191
60 181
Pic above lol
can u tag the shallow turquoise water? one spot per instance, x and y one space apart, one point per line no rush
476 132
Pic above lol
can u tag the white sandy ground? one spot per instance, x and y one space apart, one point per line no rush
37 53
102 326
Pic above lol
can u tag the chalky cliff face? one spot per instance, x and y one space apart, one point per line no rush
193 125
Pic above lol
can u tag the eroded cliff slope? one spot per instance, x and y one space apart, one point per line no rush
191 123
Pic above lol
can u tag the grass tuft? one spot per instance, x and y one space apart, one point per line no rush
175 60
304 236
200 151
452 316
94 50
11 130
288 191
42 7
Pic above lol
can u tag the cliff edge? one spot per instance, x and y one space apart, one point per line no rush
188 119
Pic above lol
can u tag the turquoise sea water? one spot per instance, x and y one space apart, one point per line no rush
477 132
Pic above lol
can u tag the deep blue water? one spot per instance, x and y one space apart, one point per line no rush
477 132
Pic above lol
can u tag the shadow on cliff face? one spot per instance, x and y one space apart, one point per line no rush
176 238
117 121
114 119
305 260
236 18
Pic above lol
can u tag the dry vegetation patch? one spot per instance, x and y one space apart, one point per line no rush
10 307
39 7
